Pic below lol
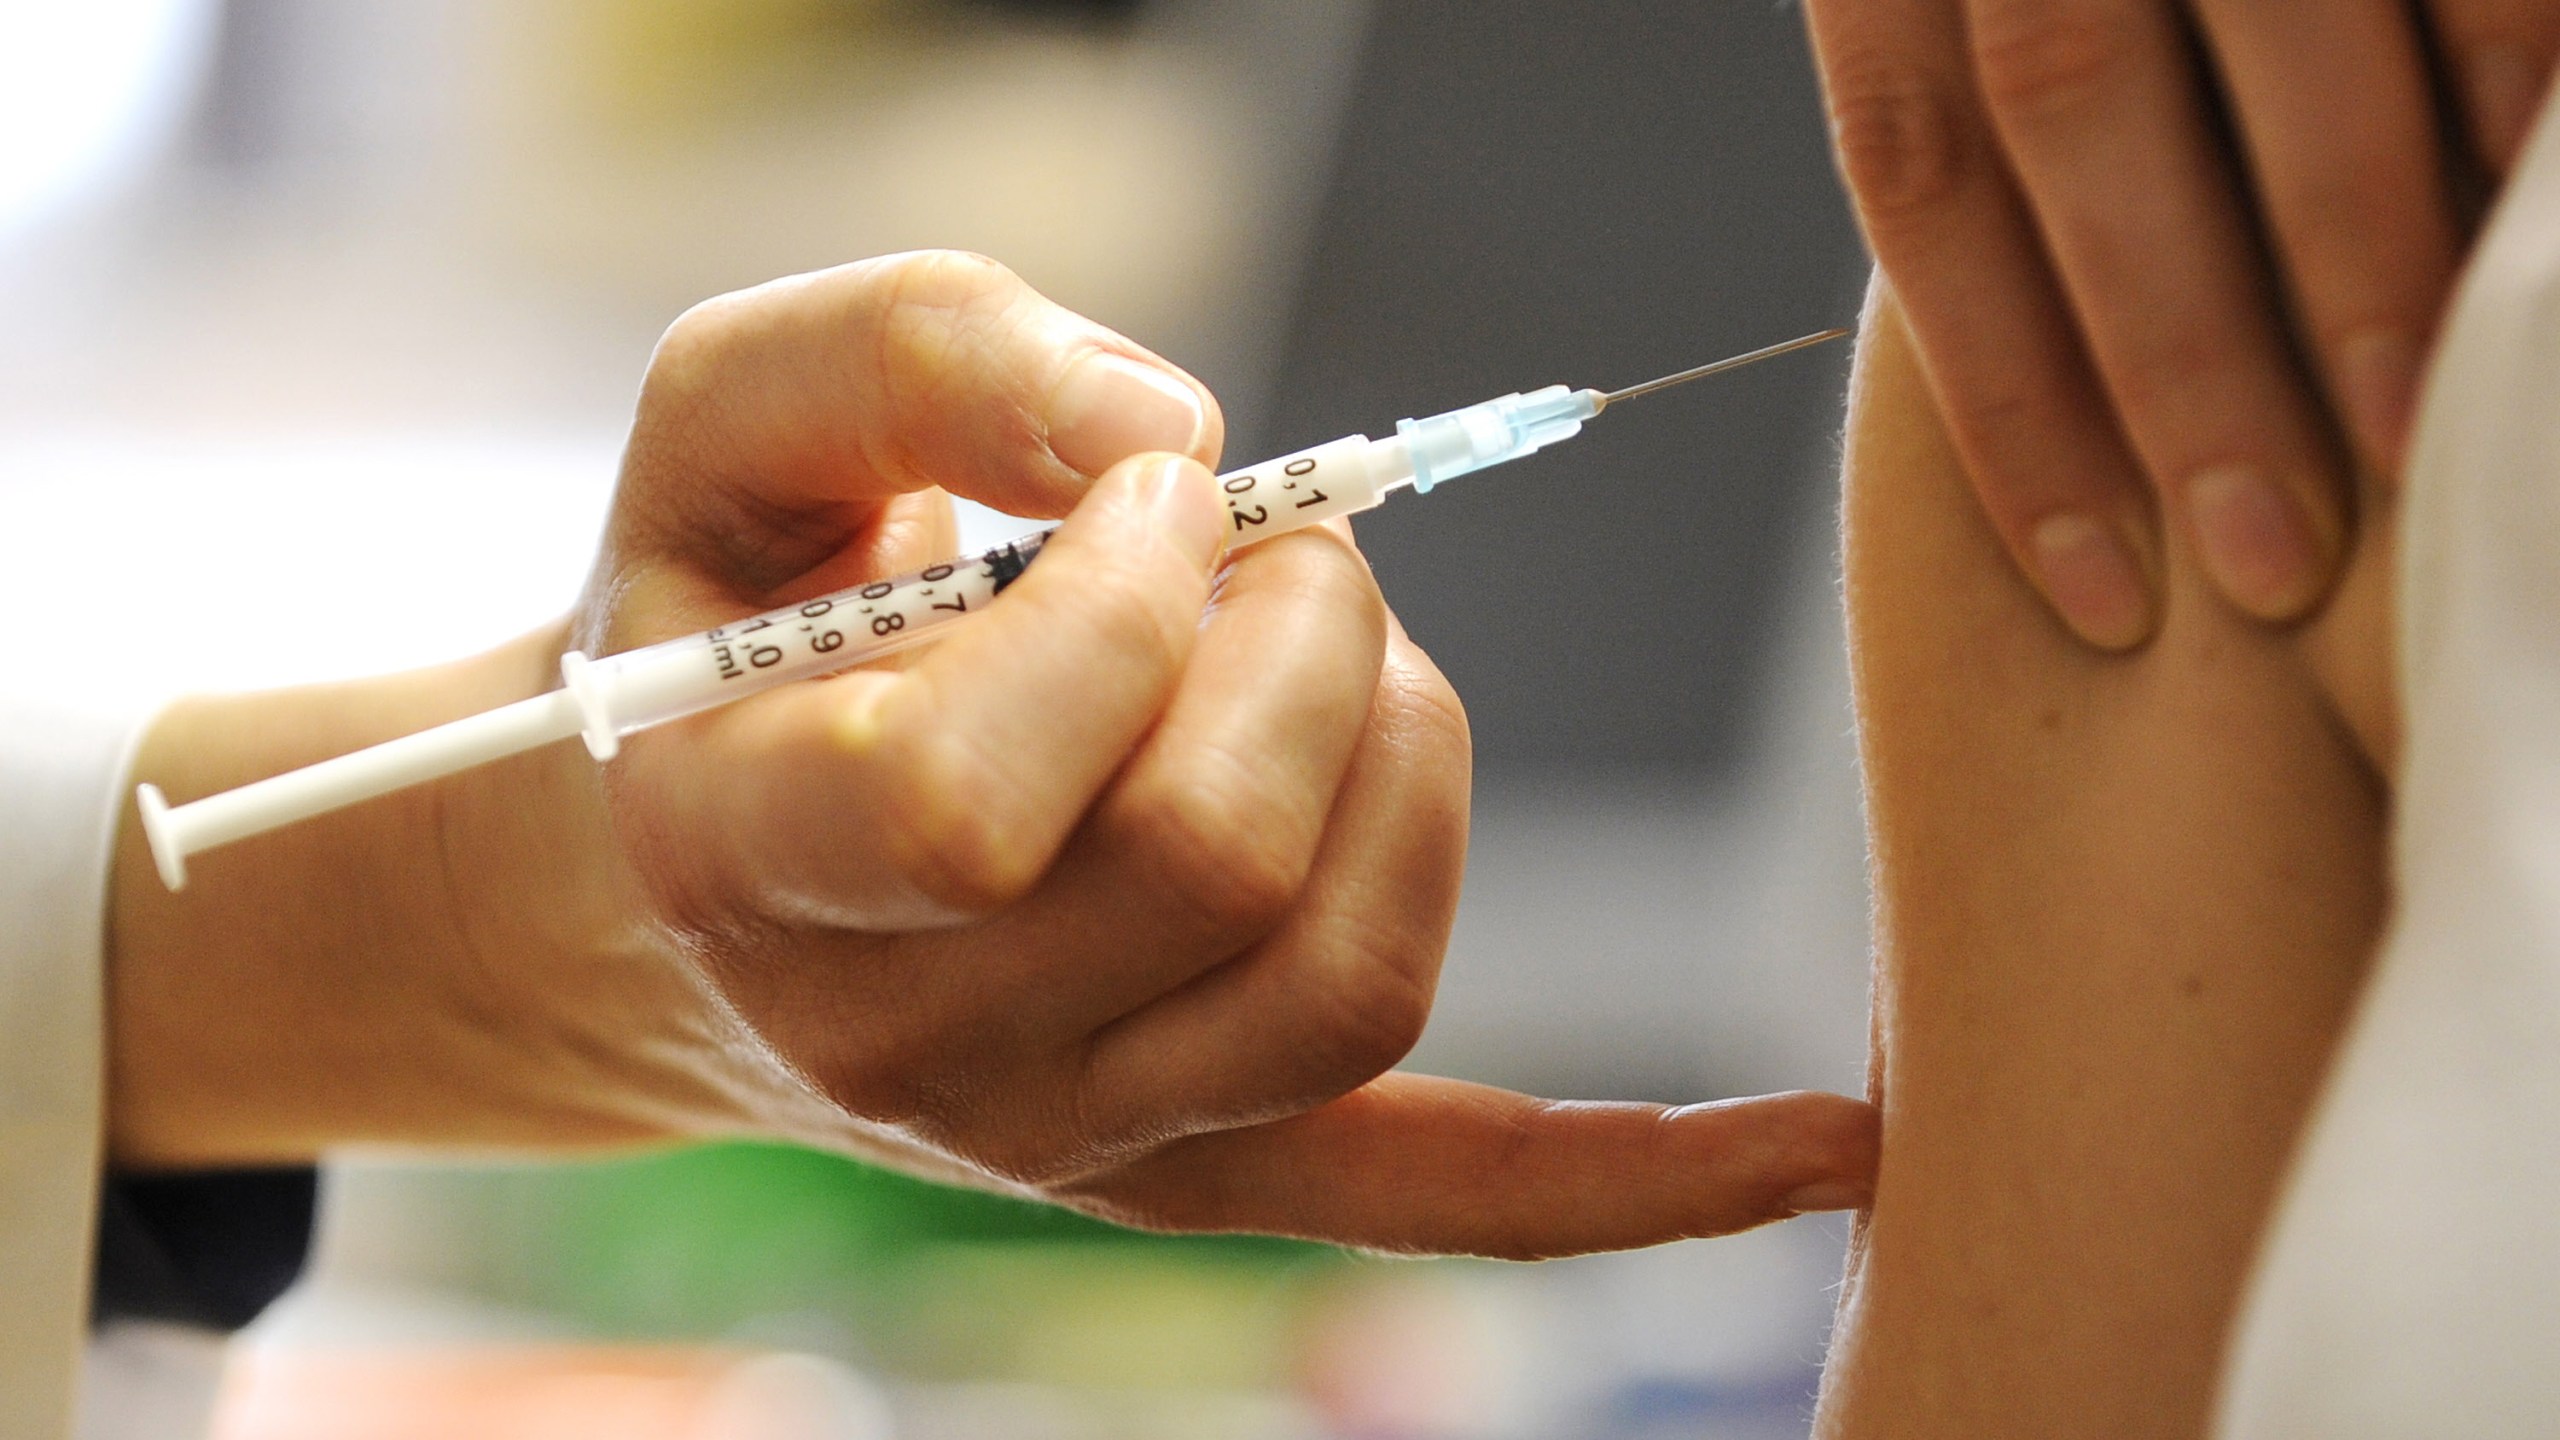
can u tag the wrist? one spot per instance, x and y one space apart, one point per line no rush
305 990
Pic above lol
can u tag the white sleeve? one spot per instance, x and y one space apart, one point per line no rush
2410 1284
61 782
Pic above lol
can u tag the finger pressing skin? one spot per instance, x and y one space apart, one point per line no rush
1423 1166
1340 991
773 419
2022 401
2107 124
924 796
2352 183
2500 54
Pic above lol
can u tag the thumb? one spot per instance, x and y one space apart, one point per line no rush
775 421
1418 1165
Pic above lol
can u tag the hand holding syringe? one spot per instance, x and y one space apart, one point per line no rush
606 699
1111 899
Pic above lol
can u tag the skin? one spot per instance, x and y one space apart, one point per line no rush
2124 904
1126 895
2171 241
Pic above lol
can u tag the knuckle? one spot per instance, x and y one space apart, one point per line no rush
927 310
881 1081
1148 1211
919 321
1989 412
1045 1153
1034 1161
2161 377
1997 416
1165 1194
1231 847
1319 570
1367 1014
1903 147
941 279
948 830
2036 60
1421 712
687 366
1343 586
1128 617
924 316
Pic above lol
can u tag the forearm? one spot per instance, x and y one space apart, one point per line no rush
2123 905
461 965
321 984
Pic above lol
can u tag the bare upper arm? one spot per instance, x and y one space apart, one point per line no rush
2123 904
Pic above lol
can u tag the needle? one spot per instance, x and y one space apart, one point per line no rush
1734 362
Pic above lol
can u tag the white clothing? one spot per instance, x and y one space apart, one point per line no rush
2410 1284
61 784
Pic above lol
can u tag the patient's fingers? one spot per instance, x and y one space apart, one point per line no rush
2022 401
2352 183
2500 54
2108 124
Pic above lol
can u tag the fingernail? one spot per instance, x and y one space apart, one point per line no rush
2091 576
2378 380
1829 1195
1110 407
1178 496
2505 89
2257 543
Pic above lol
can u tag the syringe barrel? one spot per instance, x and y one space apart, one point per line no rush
609 698
1461 442
636 689
640 688
1339 477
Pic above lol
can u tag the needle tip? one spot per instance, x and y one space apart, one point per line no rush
1733 362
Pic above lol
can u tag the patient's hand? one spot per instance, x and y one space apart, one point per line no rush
2124 903
2204 245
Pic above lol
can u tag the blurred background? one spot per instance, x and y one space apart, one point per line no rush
328 318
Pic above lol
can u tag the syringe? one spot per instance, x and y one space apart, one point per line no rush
606 699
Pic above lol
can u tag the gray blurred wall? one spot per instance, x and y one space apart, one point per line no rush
1666 889
1529 192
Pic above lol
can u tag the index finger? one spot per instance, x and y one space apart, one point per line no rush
1418 1165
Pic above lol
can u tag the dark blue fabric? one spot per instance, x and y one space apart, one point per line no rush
200 1248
